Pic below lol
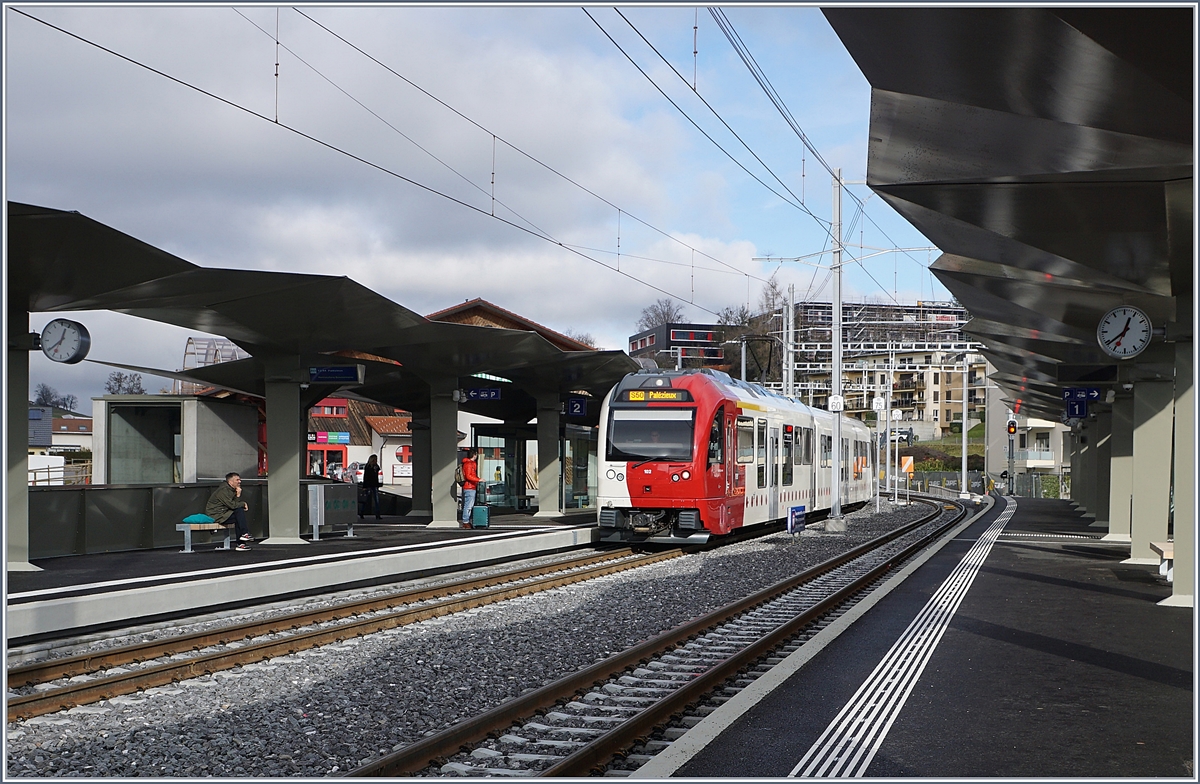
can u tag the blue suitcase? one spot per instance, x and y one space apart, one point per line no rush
479 517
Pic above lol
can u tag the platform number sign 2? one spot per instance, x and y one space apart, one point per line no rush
576 406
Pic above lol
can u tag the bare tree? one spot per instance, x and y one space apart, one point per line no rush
663 311
124 384
44 395
583 337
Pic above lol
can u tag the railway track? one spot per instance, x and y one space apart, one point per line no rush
102 675
576 725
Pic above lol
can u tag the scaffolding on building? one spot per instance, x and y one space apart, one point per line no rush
202 352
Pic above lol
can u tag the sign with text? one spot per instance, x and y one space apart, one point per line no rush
576 406
1081 393
484 394
795 521
1077 409
337 374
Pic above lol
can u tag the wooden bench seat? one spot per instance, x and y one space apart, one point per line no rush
1166 554
187 529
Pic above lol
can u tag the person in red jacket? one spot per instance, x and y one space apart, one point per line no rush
471 479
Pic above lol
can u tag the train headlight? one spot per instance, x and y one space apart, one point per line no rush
686 474
674 477
611 474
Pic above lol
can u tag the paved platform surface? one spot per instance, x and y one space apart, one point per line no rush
170 562
86 594
1056 662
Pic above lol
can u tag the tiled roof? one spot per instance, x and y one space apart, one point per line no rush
481 313
390 425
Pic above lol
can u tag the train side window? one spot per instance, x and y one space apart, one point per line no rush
826 451
805 452
745 440
762 453
787 453
715 452
845 467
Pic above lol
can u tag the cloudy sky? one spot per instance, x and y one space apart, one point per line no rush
587 156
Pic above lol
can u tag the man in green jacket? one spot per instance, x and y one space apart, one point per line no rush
226 502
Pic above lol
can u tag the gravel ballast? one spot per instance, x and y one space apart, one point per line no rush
327 710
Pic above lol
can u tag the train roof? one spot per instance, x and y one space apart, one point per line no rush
732 386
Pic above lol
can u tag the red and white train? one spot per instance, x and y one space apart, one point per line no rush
689 454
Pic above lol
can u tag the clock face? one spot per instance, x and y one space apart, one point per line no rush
65 341
1124 332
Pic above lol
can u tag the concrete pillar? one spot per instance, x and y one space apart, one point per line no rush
1184 480
549 467
1153 404
1102 457
1087 471
422 500
286 458
443 452
16 490
1073 460
1120 470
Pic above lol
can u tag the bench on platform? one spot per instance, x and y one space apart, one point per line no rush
187 529
1166 554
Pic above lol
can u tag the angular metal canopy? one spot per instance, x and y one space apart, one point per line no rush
63 261
1049 153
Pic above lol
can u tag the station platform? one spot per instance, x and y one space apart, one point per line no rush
79 594
1022 647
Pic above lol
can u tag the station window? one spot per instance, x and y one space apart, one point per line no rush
745 440
330 407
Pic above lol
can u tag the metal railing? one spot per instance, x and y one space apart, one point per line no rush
68 474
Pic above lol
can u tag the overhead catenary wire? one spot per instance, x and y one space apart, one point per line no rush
688 117
799 201
511 145
347 153
760 76
402 134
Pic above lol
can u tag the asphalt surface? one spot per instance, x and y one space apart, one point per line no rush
1057 663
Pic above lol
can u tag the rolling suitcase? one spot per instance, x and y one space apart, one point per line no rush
479 516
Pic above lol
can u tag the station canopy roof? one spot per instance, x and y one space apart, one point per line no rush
1048 152
64 261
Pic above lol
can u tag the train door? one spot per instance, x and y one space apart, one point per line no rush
773 475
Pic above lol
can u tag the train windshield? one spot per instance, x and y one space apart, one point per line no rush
651 434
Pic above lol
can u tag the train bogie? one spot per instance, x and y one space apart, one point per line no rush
685 455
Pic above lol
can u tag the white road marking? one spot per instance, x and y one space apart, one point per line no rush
849 743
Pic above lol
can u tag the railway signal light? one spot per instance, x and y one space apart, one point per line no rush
1012 427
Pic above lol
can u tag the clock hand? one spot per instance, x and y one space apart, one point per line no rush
1117 339
60 342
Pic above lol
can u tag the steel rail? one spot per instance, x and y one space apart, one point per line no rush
420 754
86 663
599 753
68 696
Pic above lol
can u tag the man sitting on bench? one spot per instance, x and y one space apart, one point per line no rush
226 502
